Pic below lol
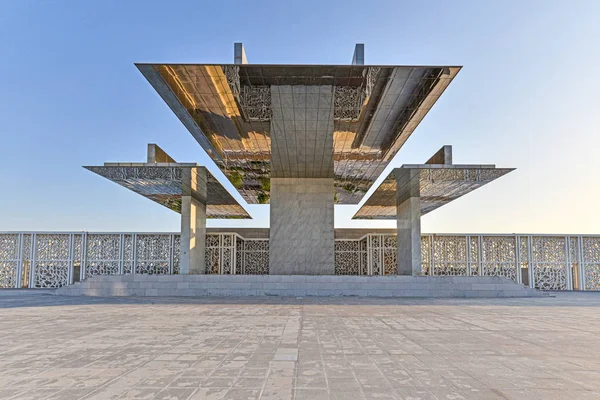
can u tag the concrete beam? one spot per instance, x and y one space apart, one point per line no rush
158 155
239 54
359 54
443 156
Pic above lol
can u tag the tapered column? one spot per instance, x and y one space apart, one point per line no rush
408 212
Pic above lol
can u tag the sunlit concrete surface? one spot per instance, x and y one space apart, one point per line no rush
56 347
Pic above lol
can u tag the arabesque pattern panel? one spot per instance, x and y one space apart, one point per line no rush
176 253
256 257
153 253
103 255
50 260
348 257
499 256
449 255
52 255
9 260
591 262
220 253
549 257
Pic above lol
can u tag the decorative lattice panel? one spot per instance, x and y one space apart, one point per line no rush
228 261
128 254
212 260
153 253
52 260
474 256
212 240
390 261
499 256
591 262
382 253
425 255
239 256
9 260
524 256
26 256
374 250
103 255
575 262
220 254
77 249
549 262
347 257
390 255
256 257
364 257
212 256
176 254
449 255
48 260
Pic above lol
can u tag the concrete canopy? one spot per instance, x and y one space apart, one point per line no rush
435 185
228 109
166 183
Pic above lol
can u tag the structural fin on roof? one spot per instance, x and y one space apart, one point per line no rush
158 155
443 156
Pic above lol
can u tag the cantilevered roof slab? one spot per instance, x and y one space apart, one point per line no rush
228 109
436 185
165 183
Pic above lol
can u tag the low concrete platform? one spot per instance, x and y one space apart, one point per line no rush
25 292
314 348
298 285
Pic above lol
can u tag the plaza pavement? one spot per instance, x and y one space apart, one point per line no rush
55 347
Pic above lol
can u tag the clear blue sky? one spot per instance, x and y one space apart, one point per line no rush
528 97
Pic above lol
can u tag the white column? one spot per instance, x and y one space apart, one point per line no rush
408 218
193 221
193 236
409 236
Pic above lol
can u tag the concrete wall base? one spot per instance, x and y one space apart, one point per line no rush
298 285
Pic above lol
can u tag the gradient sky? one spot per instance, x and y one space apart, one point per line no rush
527 97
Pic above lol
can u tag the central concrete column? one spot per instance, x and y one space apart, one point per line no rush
301 235
408 214
193 222
302 192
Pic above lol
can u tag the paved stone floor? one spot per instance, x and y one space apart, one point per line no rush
56 347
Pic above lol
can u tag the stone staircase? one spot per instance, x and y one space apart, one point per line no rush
299 285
